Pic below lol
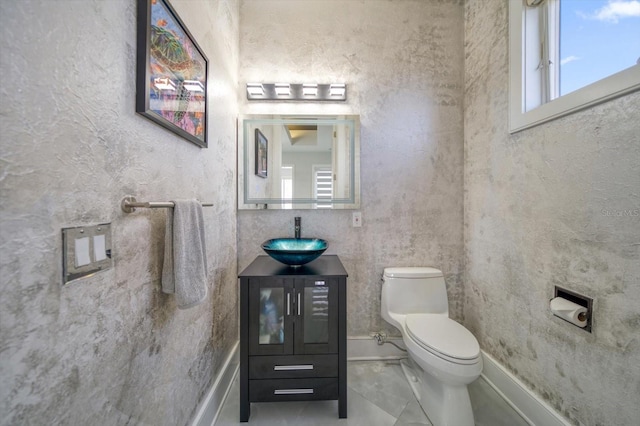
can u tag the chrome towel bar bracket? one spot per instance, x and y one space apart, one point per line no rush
129 204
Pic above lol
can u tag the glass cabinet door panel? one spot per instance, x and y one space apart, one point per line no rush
272 304
316 314
270 316
316 327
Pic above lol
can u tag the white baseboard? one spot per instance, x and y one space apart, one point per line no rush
359 348
527 404
364 348
211 404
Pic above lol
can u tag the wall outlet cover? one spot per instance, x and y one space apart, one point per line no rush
356 219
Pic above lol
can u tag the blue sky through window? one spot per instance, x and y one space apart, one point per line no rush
597 38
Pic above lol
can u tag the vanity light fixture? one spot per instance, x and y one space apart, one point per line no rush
255 90
338 90
334 92
283 89
310 89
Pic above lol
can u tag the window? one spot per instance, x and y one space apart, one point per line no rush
323 186
286 187
566 55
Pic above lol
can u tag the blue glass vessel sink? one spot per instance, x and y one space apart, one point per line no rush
294 251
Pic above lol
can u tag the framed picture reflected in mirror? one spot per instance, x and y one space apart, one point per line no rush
261 154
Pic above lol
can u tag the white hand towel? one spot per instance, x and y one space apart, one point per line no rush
184 270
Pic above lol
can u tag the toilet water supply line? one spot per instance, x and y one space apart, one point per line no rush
381 339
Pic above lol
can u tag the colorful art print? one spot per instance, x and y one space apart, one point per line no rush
261 154
171 73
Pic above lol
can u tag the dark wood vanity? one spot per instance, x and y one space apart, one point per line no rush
293 333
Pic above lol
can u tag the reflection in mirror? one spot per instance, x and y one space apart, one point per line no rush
299 162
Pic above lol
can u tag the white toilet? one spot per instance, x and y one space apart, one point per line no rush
444 357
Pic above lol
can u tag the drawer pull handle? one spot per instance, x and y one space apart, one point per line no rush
288 304
292 391
293 367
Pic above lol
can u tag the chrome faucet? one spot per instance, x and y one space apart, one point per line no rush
298 227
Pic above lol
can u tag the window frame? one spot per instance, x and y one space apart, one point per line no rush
520 35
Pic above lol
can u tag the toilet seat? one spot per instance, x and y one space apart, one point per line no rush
443 337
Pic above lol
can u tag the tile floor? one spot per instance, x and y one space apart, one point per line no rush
378 395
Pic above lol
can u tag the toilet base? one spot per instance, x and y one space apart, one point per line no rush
444 405
409 369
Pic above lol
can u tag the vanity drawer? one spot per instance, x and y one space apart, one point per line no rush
293 366
292 389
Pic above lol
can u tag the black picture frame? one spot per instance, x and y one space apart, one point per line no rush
261 154
171 73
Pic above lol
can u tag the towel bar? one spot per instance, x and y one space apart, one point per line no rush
129 204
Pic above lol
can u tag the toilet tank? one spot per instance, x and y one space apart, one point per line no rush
413 290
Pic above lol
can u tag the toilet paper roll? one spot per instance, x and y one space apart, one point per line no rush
569 311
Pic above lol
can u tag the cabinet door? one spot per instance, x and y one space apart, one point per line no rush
270 316
316 321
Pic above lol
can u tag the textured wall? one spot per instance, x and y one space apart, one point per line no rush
544 207
402 62
110 349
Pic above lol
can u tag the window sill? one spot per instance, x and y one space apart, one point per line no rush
616 85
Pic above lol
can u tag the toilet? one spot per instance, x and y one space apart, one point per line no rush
444 357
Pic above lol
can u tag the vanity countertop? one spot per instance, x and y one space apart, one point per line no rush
265 266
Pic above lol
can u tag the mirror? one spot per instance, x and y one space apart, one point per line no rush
299 162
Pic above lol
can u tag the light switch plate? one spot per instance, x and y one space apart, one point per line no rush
85 251
82 252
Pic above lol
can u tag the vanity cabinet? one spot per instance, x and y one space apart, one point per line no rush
293 333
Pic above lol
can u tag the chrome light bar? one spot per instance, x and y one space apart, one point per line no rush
336 92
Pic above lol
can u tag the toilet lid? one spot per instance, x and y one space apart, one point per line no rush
412 272
443 335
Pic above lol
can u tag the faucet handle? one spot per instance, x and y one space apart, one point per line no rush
297 227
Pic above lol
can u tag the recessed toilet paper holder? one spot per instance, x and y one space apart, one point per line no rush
579 299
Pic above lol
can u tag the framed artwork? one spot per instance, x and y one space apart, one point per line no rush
261 154
171 81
